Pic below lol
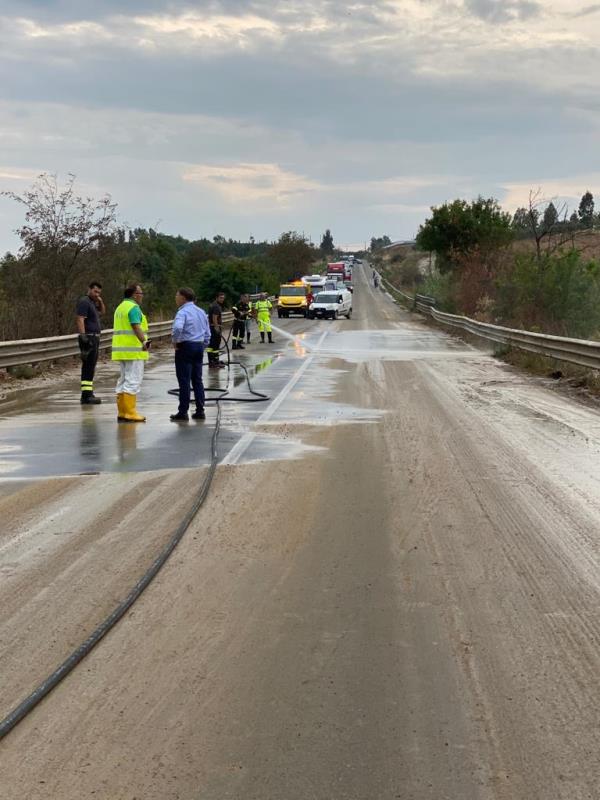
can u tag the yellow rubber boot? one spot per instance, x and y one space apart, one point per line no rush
130 412
120 408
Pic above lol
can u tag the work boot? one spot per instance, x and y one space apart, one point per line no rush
262 338
234 346
199 414
248 339
130 413
240 346
120 407
270 337
89 399
179 417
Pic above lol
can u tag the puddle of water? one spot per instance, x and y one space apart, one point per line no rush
61 438
391 344
309 404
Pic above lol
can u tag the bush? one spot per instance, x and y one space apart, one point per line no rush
558 294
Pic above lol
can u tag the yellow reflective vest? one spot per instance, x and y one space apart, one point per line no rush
262 308
125 344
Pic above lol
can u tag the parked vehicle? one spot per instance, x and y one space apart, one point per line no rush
331 305
333 285
293 299
316 282
339 268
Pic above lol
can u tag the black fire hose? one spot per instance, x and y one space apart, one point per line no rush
51 681
222 395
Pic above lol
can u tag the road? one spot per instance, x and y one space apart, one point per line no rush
392 590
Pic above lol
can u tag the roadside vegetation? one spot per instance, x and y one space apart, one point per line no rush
538 269
68 240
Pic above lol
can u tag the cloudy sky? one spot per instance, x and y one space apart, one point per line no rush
251 118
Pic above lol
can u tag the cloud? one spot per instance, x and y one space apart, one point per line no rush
504 10
355 116
242 184
585 12
567 190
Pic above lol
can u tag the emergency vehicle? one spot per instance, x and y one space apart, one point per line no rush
293 299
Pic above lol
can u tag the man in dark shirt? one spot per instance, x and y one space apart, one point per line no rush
241 312
215 319
89 309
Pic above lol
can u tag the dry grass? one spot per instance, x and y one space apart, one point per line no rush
568 375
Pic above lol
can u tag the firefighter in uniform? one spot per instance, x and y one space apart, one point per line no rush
215 319
130 345
251 315
241 312
263 307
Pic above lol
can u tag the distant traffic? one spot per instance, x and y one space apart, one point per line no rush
323 296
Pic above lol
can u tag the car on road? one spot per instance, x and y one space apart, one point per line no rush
331 305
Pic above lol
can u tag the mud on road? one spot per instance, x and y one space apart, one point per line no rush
408 609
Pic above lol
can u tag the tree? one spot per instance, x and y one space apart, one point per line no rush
60 229
291 256
550 216
458 229
327 246
586 210
232 276
549 224
377 242
520 220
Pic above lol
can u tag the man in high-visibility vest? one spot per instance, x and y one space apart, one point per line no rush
263 307
130 345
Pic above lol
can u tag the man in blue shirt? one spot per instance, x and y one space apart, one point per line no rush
191 334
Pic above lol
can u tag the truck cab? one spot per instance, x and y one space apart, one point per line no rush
293 299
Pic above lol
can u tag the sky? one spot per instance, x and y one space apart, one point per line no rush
257 117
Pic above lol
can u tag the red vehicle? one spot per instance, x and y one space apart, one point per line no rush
339 269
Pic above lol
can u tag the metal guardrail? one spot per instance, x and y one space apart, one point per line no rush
53 348
583 352
391 286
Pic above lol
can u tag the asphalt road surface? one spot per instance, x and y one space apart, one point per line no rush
392 590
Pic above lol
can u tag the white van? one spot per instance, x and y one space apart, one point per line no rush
331 304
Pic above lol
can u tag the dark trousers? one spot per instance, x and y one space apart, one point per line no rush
213 345
188 368
238 332
88 365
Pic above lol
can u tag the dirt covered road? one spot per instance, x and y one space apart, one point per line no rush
408 608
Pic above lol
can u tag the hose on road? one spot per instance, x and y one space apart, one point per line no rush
51 682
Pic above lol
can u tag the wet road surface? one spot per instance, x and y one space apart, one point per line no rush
54 436
392 591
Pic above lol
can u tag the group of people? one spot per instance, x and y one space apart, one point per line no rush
194 332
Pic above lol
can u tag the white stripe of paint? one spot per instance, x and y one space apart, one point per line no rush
238 450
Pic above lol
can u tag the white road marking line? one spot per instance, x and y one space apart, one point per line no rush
238 450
